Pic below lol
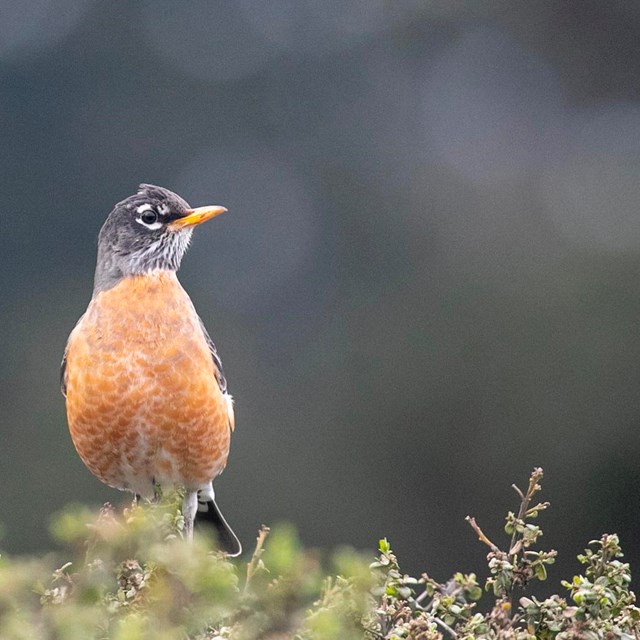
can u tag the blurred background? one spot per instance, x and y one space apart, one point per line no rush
427 283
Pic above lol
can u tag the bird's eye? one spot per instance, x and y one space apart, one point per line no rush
149 217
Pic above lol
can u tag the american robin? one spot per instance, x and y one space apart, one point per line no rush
147 401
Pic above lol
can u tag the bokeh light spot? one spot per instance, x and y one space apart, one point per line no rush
307 26
34 25
491 107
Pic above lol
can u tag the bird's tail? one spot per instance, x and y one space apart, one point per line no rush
209 515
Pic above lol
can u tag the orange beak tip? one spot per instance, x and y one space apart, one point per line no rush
198 216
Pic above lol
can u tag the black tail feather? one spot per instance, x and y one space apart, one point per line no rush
209 514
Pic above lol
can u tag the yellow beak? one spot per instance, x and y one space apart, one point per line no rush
197 216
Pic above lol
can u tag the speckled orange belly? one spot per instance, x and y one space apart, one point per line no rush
143 401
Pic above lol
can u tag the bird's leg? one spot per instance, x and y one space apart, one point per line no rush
189 509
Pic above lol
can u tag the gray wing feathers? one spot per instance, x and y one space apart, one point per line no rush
63 364
63 374
219 371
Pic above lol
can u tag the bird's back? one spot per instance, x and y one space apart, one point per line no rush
143 399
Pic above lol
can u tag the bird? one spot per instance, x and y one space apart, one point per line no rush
146 396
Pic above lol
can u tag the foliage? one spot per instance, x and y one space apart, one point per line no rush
602 606
131 576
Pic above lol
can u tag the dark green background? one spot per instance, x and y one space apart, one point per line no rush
428 281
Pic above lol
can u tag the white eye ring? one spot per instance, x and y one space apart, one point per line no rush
152 221
153 226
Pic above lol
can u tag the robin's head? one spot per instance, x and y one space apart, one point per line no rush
146 232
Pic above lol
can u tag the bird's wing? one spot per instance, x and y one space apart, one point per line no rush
63 364
219 373
217 363
63 374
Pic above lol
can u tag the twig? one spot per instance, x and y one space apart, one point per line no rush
446 627
532 489
254 564
481 536
517 490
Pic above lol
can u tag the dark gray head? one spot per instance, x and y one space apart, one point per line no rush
146 232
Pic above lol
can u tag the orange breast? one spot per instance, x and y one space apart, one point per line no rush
143 402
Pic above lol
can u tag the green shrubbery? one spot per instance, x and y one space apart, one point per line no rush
131 576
